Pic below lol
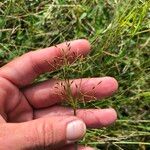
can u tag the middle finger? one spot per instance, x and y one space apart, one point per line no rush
51 92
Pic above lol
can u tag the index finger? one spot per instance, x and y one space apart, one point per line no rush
23 70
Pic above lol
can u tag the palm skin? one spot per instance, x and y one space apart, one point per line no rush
31 115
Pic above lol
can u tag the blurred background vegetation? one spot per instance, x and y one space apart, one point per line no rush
119 32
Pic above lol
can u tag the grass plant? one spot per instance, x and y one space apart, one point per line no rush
119 32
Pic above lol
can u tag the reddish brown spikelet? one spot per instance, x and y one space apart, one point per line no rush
71 82
93 87
56 87
99 83
64 87
62 94
76 85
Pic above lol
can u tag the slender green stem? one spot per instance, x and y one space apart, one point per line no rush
76 143
74 112
76 146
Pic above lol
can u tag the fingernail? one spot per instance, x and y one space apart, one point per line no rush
75 130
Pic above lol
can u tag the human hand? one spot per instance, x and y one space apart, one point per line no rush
31 115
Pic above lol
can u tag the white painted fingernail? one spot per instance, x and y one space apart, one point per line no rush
75 130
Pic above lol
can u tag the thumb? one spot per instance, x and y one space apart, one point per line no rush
42 133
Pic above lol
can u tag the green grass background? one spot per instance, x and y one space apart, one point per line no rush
119 31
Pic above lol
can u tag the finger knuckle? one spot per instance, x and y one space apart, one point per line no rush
45 133
36 67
